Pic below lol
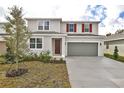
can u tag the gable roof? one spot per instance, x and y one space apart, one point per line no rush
73 21
44 18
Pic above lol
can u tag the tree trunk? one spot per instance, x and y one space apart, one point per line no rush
17 46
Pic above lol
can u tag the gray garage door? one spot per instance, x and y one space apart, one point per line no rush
82 49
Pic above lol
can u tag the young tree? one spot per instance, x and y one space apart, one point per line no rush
115 54
18 35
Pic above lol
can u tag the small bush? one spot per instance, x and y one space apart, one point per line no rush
115 54
31 57
45 56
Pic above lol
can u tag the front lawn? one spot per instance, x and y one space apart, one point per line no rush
43 75
120 58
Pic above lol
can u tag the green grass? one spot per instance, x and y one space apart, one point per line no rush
120 58
42 75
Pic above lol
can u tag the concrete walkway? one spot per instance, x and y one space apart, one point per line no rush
95 72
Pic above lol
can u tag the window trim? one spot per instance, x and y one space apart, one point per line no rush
36 43
43 24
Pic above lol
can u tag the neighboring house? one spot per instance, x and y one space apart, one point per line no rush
2 41
112 41
65 38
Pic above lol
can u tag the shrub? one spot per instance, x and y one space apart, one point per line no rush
45 56
115 54
31 57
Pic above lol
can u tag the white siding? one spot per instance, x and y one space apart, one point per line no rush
112 44
54 25
79 28
46 44
33 25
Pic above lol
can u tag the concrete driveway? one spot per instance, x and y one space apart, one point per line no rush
95 72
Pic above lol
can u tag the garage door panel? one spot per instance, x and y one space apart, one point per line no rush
82 49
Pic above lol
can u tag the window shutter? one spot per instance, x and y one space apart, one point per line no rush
82 27
75 27
67 27
90 27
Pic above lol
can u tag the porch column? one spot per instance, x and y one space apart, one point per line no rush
63 46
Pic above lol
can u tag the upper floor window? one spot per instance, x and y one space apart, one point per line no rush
35 43
43 25
40 25
86 26
71 27
46 25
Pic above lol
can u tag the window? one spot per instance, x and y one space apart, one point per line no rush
35 42
40 25
46 25
86 26
43 25
39 42
32 43
71 27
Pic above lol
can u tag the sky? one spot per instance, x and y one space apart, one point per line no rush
110 13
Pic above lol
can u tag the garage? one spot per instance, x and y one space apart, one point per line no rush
82 49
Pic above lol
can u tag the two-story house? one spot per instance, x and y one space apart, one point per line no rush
65 38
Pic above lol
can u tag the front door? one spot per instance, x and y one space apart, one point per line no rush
57 46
